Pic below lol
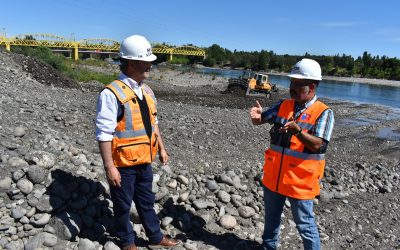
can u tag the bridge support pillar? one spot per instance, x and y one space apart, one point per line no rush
8 47
75 51
170 57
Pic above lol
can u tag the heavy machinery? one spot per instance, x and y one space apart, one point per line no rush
256 85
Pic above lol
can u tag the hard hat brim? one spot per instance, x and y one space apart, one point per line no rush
299 76
150 58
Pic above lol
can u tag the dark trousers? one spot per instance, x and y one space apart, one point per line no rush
136 185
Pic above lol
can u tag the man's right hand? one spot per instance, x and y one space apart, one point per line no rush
113 176
255 114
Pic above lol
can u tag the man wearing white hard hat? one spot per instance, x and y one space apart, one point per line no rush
295 161
129 140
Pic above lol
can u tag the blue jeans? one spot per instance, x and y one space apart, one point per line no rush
136 185
303 216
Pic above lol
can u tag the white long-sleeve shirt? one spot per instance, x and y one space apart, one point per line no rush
108 109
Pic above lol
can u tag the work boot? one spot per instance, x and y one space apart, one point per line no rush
130 247
166 242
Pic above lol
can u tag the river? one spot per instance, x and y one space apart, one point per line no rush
347 91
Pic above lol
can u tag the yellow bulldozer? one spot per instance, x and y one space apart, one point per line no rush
256 85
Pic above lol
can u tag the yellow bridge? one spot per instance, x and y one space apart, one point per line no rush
93 45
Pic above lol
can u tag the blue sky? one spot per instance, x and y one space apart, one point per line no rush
286 27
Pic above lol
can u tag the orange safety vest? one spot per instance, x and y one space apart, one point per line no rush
290 168
131 145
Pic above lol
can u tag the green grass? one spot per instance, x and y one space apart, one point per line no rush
179 60
66 65
84 75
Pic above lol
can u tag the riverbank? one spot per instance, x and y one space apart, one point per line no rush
53 191
381 82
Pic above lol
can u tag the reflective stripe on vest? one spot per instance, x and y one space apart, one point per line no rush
293 170
297 154
131 145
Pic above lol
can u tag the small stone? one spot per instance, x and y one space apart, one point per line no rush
110 246
19 132
385 189
172 184
17 175
226 179
212 185
25 186
182 179
228 221
36 174
85 244
202 203
325 196
16 162
39 240
224 196
183 197
41 159
18 213
40 220
24 220
190 246
5 184
246 212
166 221
44 205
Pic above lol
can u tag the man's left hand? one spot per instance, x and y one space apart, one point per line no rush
291 127
163 156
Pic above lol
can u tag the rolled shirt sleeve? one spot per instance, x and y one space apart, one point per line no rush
324 125
106 115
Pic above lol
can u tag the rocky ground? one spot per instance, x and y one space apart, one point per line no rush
54 194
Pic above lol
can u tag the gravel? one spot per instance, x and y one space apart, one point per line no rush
54 193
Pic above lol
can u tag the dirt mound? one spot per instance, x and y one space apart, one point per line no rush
235 89
43 72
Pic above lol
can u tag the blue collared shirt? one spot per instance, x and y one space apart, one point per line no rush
323 127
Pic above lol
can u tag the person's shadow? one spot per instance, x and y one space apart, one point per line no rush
81 207
194 227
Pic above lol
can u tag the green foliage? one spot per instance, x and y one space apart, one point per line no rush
337 65
210 62
84 75
67 66
217 53
44 54
179 60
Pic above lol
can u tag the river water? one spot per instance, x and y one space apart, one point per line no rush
347 91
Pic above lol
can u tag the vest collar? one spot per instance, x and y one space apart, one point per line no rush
129 81
298 109
307 104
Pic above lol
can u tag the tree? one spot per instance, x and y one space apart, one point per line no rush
217 53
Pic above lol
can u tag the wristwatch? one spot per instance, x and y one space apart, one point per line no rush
298 132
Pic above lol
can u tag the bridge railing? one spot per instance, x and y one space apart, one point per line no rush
102 45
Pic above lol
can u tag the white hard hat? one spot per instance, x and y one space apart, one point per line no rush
306 69
136 48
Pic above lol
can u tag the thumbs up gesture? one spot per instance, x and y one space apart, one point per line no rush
255 113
